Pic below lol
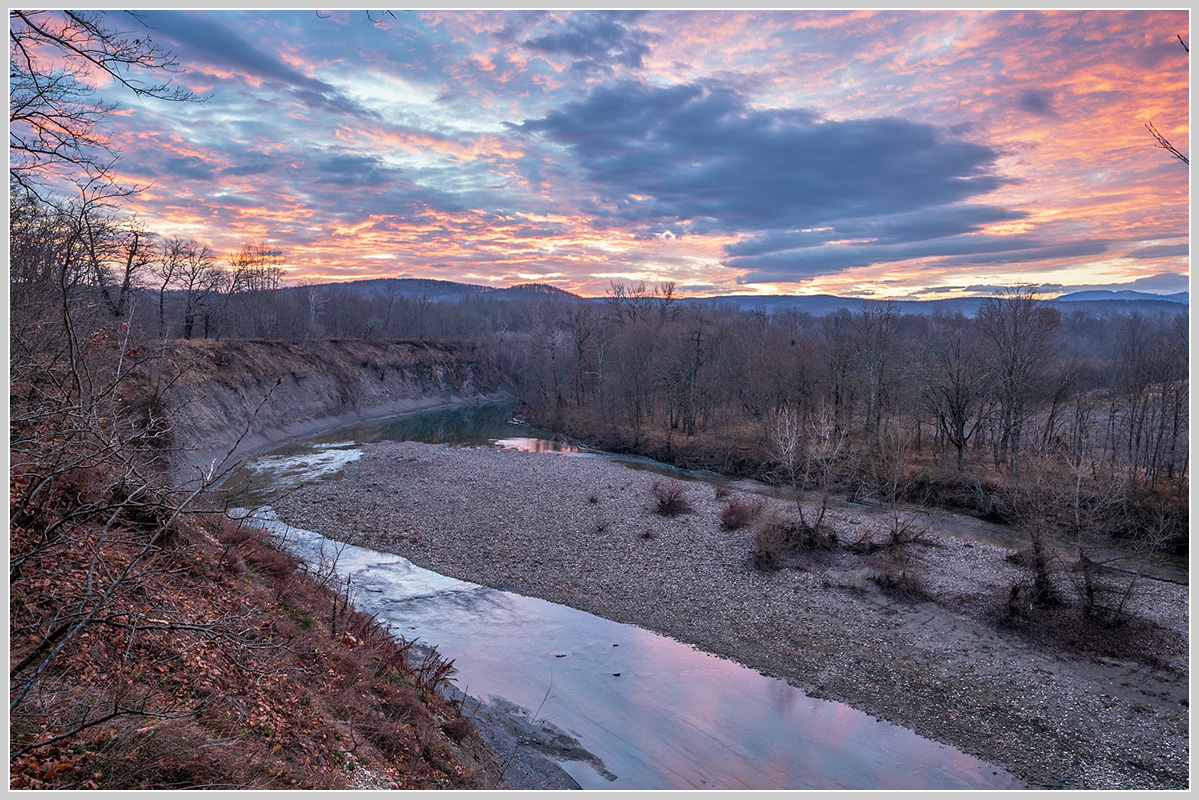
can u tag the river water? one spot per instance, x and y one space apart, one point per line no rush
653 712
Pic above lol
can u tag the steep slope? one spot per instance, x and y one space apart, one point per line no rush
222 400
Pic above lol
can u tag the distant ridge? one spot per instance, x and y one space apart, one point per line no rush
434 289
535 290
1108 294
1096 301
823 304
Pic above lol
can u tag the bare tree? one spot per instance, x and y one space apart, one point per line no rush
953 381
55 119
186 266
255 271
164 269
807 455
316 305
117 256
1017 325
875 329
201 280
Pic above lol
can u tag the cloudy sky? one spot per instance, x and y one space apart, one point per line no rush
874 153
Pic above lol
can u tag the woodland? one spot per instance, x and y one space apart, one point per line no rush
1070 424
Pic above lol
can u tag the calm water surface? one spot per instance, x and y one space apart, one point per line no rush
657 714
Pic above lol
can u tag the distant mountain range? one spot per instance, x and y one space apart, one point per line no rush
817 305
1107 294
821 304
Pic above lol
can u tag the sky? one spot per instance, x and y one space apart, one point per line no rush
904 154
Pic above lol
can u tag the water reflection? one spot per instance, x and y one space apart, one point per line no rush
531 444
659 714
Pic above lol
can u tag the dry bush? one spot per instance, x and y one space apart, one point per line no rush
904 582
459 729
779 541
771 544
671 498
899 576
740 511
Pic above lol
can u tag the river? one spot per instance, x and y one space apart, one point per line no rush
652 713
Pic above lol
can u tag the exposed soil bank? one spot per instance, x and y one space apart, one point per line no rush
223 400
582 532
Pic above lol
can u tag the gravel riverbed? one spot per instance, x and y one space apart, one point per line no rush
583 532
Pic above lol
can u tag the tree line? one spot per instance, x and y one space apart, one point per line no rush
1020 380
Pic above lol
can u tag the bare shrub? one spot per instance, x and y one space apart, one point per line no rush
671 498
740 511
898 575
905 529
721 490
902 581
458 728
771 543
778 541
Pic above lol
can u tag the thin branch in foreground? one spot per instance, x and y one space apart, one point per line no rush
1165 144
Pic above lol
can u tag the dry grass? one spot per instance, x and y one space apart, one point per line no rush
222 663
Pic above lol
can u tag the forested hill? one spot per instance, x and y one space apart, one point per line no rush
438 290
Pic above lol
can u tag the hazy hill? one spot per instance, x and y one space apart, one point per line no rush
820 305
1097 301
442 290
1107 294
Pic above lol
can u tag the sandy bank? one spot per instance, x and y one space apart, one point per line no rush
581 531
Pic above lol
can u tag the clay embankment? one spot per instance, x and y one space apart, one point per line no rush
223 400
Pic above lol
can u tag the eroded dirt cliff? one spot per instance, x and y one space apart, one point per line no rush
217 401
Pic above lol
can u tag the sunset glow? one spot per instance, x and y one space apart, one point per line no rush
860 153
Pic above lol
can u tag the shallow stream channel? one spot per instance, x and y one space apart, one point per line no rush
617 706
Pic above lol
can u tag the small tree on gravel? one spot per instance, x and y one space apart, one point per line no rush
807 455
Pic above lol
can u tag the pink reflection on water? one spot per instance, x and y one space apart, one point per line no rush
532 445
781 737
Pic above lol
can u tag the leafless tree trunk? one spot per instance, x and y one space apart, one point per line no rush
1017 325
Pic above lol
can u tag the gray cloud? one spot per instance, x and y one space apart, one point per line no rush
598 39
199 38
1160 251
1037 101
699 158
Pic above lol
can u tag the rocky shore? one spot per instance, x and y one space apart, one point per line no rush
583 531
